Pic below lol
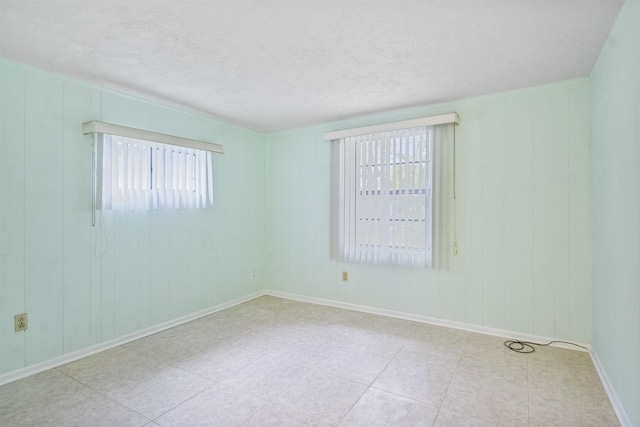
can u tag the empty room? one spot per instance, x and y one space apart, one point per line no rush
320 213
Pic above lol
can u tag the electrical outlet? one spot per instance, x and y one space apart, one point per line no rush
20 322
345 276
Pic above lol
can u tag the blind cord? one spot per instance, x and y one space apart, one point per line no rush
455 197
94 179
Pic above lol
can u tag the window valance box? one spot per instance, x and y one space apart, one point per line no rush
387 127
127 132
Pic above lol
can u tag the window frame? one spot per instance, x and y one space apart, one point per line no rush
375 191
202 170
439 228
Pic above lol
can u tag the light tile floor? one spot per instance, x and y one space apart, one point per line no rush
276 362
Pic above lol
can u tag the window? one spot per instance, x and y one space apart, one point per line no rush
133 171
391 195
139 174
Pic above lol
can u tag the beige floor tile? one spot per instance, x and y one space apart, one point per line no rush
354 318
572 411
560 358
554 364
284 363
317 399
558 385
220 405
171 346
261 312
566 391
93 409
316 312
216 328
319 392
446 361
218 363
287 310
395 327
379 408
448 418
354 365
112 370
268 378
52 398
489 346
500 402
357 338
375 323
304 351
162 392
37 388
493 369
416 379
247 318
267 338
432 338
277 415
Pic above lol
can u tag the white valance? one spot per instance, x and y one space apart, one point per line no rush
388 127
127 132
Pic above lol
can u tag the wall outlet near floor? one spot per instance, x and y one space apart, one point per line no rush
20 322
345 276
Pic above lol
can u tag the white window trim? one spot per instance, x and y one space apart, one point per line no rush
442 239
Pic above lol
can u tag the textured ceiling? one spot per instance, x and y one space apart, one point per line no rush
272 65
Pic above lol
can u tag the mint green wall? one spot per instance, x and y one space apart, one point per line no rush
529 188
615 84
523 218
156 266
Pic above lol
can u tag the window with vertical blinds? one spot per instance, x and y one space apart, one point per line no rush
389 203
138 174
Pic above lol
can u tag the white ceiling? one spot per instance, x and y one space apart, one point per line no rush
272 65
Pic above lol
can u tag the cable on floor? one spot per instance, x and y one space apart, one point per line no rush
527 346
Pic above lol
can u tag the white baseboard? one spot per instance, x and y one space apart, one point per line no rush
88 351
613 397
623 418
430 320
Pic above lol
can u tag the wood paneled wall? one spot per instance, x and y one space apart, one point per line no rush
84 285
523 221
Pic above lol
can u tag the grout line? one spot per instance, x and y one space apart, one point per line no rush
101 393
450 382
184 401
354 404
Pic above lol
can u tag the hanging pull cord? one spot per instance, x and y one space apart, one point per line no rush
94 178
455 197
